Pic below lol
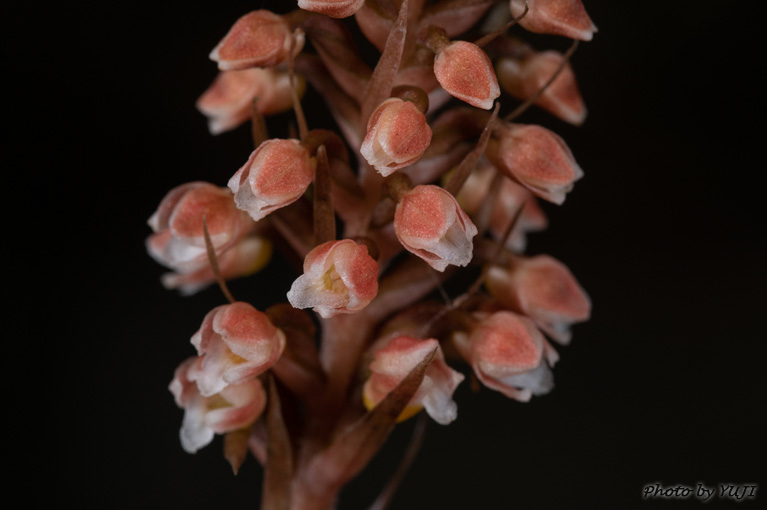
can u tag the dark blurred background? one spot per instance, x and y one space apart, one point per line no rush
666 232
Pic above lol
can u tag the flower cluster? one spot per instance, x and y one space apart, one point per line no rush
428 177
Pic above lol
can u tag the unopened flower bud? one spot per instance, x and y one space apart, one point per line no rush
431 225
258 39
397 136
507 354
236 342
235 407
244 258
178 241
545 290
523 78
275 175
332 8
228 101
536 158
395 360
339 277
466 72
558 17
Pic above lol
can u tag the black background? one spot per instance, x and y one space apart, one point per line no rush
664 384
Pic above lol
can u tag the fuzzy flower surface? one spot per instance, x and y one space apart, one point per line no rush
339 277
178 241
235 407
397 136
275 175
395 360
431 225
545 290
236 342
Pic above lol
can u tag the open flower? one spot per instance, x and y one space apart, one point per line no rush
235 407
558 17
545 290
258 39
466 72
236 342
332 8
431 225
276 174
536 158
524 77
510 355
395 360
178 241
339 277
244 258
397 136
228 101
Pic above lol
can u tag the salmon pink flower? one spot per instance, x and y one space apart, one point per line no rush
339 277
332 8
536 158
431 225
244 258
258 39
397 136
545 290
523 78
509 354
235 407
558 17
395 360
275 175
511 196
228 101
236 342
178 241
466 72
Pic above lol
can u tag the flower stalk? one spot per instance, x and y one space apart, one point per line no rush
422 182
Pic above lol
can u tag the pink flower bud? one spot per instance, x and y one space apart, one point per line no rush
332 8
339 277
466 72
524 77
397 136
227 102
236 342
258 39
275 175
395 360
558 17
179 241
244 258
507 354
536 158
234 408
545 290
431 225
